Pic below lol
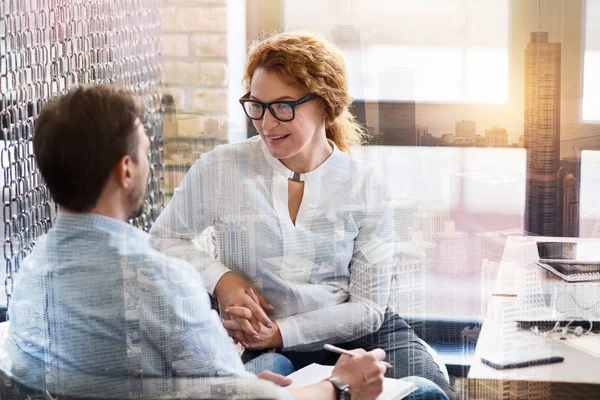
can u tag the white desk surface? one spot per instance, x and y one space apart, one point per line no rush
577 367
442 301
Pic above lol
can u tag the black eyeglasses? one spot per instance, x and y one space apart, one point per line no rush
283 111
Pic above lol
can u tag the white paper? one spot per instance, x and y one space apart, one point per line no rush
393 389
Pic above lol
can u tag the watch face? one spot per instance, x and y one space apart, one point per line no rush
346 394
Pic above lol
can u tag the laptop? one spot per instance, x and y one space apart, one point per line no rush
571 261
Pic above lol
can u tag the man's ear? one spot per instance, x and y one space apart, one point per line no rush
123 172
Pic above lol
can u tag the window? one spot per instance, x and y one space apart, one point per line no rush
591 63
427 51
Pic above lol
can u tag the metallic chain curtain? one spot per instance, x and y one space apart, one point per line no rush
46 47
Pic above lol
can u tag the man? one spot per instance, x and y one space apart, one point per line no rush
96 311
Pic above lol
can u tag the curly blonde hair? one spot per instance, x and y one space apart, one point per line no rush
311 62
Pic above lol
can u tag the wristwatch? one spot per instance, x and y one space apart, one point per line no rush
342 390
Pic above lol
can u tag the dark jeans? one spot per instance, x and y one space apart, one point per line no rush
405 351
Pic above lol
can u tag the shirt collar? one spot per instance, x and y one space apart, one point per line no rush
90 221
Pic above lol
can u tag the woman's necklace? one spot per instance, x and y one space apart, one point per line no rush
297 177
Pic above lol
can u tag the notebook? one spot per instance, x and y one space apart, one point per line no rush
393 389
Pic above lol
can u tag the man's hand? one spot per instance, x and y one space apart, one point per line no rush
277 379
363 372
234 291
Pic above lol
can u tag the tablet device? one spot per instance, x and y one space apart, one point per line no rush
522 356
569 253
523 363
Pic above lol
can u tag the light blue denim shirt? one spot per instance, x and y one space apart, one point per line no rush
97 311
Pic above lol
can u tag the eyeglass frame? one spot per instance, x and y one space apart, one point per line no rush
244 99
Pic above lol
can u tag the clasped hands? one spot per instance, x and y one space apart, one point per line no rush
243 313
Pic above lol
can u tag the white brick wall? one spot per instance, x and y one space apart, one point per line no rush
194 52
175 45
208 45
195 19
195 2
210 99
195 73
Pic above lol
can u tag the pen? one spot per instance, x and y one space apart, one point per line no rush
335 349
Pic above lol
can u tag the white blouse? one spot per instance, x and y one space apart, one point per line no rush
328 276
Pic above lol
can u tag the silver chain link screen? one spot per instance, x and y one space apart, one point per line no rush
47 47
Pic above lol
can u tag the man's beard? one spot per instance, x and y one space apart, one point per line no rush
138 203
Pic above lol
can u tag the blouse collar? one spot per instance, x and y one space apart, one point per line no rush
332 160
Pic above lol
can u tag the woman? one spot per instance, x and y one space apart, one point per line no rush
303 234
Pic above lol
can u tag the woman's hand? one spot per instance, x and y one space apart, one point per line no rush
234 291
265 338
277 379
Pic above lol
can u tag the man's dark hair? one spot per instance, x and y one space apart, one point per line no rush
80 136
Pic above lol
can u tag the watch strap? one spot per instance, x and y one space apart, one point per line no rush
339 386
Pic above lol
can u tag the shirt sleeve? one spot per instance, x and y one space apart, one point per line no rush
286 394
178 228
198 340
371 271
